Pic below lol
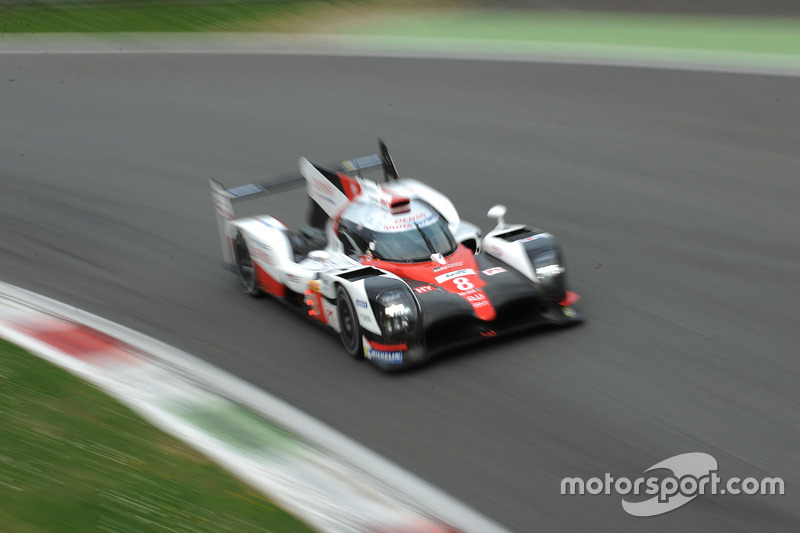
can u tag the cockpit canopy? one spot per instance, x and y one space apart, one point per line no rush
410 237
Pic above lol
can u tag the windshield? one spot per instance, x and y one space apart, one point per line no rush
413 245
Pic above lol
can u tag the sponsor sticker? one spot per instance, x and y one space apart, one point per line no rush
534 237
323 188
493 271
362 303
409 221
244 190
384 357
272 222
362 162
262 256
424 288
448 267
455 274
477 297
222 204
323 191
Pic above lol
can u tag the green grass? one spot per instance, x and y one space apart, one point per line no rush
701 33
73 459
142 15
411 18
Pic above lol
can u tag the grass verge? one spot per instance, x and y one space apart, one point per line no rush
409 18
681 32
74 459
91 16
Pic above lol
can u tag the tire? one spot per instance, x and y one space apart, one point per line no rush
245 267
349 327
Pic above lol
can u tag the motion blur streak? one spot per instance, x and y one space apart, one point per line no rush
674 192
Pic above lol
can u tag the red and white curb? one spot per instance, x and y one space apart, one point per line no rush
328 480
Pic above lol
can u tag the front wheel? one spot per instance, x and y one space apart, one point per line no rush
349 328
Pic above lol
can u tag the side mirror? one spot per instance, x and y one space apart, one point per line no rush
370 248
498 212
319 255
439 258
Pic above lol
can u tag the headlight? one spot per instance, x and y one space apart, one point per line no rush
547 265
397 313
549 270
545 257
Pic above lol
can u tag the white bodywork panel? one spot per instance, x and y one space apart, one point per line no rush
322 191
415 189
358 295
412 188
512 253
270 249
224 209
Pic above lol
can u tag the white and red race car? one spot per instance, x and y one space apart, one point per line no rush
390 266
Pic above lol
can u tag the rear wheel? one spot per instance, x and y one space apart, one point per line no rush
349 328
245 267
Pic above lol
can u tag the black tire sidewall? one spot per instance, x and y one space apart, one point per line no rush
353 346
248 286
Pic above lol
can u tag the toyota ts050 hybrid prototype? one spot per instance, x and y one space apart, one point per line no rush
390 267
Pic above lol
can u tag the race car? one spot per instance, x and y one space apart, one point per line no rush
389 266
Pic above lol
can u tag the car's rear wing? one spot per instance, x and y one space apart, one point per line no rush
382 159
295 180
224 198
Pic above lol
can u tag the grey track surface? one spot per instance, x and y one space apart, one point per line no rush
675 195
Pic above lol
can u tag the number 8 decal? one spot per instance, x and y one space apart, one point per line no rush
463 284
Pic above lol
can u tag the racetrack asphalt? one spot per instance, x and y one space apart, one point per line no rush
674 195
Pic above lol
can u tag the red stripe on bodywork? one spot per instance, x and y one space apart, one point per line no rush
268 283
319 308
387 347
427 272
350 186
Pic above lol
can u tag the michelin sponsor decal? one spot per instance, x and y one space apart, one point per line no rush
384 357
